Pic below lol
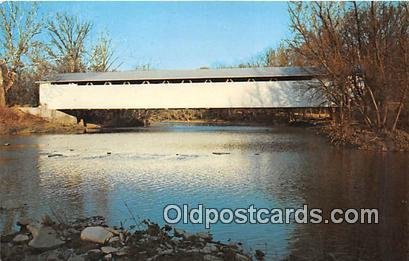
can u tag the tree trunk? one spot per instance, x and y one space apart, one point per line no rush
6 81
2 90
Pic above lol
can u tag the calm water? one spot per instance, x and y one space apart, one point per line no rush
268 167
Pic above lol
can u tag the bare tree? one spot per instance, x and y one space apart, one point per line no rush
67 46
18 41
362 49
102 58
18 31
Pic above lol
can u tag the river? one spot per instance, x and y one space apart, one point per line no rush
136 174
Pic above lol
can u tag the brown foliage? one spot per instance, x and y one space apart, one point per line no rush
363 49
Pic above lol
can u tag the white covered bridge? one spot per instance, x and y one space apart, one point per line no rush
271 87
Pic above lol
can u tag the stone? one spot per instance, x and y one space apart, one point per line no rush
209 248
96 234
44 238
176 240
34 228
94 254
121 237
108 249
165 252
212 258
20 238
108 257
67 253
6 144
77 258
55 155
52 255
240 257
113 231
23 222
205 236
123 251
72 231
182 233
259 254
113 240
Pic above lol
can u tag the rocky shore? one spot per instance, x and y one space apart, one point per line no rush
92 239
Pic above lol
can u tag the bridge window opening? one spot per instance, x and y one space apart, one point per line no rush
187 80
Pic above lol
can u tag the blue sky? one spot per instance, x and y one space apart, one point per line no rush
182 35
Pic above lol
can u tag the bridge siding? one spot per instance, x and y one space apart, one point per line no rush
280 94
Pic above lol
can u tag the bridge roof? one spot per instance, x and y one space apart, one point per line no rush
234 73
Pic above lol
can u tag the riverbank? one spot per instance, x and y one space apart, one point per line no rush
365 139
92 239
14 121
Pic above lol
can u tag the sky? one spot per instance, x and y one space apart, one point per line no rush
182 35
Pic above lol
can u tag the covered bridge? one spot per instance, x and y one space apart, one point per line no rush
268 87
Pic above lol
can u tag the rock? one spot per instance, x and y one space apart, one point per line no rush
193 251
113 240
6 144
212 258
67 253
241 257
259 254
52 255
97 234
55 155
20 238
72 231
23 222
108 249
181 233
122 237
165 252
94 254
220 153
167 245
122 252
176 240
210 248
77 258
204 236
113 231
34 228
108 257
44 238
